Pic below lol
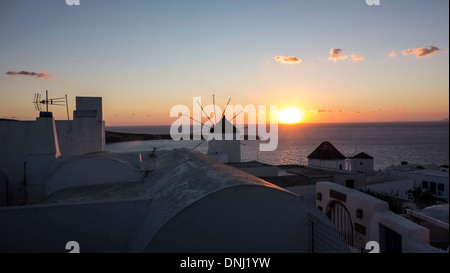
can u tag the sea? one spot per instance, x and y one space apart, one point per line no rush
389 143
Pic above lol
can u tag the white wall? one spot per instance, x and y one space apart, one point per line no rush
415 238
232 147
333 164
397 186
16 140
252 219
436 176
90 171
81 136
90 103
358 178
363 165
97 227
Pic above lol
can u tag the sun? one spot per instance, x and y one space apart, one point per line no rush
290 115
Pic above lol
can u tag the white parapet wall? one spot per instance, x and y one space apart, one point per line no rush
27 148
373 221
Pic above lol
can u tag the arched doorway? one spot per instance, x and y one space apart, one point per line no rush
339 215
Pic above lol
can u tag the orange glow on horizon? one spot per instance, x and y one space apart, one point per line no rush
290 115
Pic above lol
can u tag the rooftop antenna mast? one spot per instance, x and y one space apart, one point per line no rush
38 102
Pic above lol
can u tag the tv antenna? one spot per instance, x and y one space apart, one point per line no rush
152 154
38 102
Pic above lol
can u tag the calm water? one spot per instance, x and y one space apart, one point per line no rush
388 143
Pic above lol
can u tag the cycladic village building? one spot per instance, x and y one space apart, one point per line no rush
59 186
226 144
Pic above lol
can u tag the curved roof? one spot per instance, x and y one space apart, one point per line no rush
439 212
326 151
181 178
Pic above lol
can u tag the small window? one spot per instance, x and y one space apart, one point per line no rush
425 184
433 187
440 187
360 163
350 183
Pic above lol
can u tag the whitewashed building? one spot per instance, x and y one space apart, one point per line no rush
29 148
431 178
224 142
362 162
361 218
327 156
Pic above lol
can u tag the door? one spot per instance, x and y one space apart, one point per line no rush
339 215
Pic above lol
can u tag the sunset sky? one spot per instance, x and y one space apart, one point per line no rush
336 60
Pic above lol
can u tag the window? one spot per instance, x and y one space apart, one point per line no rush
350 183
390 241
440 187
360 163
433 187
425 184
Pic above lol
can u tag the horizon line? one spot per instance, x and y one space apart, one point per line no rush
306 123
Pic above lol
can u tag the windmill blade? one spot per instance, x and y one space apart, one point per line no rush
223 114
205 113
236 115
199 144
197 121
214 103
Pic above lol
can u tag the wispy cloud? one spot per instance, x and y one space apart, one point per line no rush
336 54
393 54
326 111
31 74
357 58
288 59
422 52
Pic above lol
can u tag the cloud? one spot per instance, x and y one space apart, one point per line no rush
288 59
392 54
422 52
336 54
324 111
357 58
32 74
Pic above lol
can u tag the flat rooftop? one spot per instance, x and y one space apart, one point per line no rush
249 164
313 172
99 193
433 172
